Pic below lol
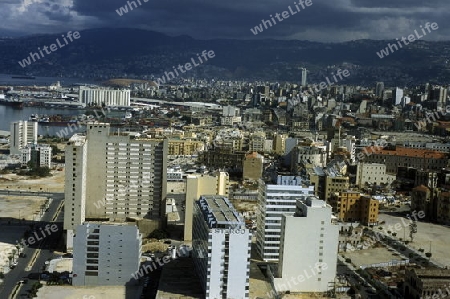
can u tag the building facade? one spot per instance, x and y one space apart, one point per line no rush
105 254
273 202
22 133
197 185
372 173
103 97
350 206
125 177
221 248
39 155
318 248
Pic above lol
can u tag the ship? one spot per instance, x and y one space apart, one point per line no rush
15 103
23 77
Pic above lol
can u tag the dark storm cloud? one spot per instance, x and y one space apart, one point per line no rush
325 20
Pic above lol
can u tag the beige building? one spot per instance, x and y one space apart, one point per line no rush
350 206
125 177
253 166
185 147
372 173
197 185
279 143
335 184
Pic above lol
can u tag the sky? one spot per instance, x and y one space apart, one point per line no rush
324 20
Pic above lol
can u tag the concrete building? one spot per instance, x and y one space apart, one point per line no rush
351 206
304 76
221 248
426 283
273 202
125 176
197 185
372 173
279 144
22 133
105 254
39 155
253 166
103 97
335 183
317 249
257 142
174 175
397 96
185 147
315 156
75 186
394 157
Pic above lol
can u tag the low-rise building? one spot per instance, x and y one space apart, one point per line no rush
372 173
351 206
426 283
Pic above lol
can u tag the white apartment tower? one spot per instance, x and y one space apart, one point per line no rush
103 97
309 247
105 254
304 74
273 202
221 248
22 133
125 176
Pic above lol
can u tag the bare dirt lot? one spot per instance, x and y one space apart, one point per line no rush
70 292
54 183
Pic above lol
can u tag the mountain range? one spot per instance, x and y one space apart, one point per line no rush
134 53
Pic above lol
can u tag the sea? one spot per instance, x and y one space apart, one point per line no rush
10 114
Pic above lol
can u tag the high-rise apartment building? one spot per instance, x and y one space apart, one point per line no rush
39 155
197 185
304 74
397 96
273 202
103 97
221 248
379 89
125 177
75 186
22 133
310 259
105 254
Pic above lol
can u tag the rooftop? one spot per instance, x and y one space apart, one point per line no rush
219 210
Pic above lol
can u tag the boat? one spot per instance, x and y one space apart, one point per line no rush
33 117
23 77
15 103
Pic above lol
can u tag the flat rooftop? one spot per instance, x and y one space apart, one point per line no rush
218 209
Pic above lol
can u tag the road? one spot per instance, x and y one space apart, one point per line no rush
36 256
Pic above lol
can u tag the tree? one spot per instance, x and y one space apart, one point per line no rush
412 230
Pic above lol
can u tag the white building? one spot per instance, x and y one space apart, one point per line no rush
221 248
309 247
100 96
397 96
304 74
125 177
40 155
372 173
174 175
274 201
22 133
105 254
